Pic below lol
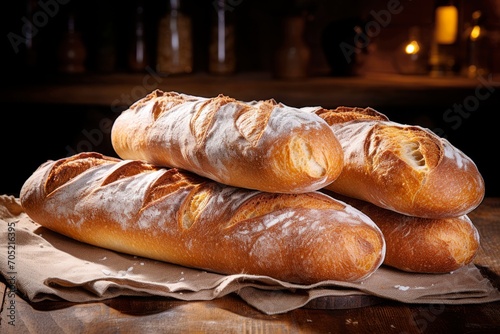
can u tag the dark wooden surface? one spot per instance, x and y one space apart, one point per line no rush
230 314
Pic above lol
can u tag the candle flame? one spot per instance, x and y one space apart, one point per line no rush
475 32
412 48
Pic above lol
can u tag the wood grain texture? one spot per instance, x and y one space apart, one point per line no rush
231 315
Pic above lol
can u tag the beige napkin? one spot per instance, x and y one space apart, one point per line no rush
44 265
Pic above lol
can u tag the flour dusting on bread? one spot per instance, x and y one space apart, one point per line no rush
172 215
230 141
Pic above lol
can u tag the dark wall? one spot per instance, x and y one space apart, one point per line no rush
32 135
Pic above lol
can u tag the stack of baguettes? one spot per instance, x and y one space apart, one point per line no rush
416 186
298 194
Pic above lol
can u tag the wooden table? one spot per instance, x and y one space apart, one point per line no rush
230 314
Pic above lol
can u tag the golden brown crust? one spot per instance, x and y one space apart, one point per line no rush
261 145
422 245
179 217
346 114
407 169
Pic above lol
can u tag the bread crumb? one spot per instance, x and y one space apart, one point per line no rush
106 272
402 287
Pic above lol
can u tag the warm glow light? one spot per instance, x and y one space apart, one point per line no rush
475 32
446 24
412 48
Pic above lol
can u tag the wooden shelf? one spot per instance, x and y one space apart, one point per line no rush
118 90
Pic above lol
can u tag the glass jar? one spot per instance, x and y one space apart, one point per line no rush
222 57
175 49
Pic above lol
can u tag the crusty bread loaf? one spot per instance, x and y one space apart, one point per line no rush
403 168
261 145
182 218
422 245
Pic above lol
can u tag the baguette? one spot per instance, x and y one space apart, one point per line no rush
422 245
261 145
403 168
175 216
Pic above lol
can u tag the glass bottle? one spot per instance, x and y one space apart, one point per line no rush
106 52
175 50
137 60
293 55
222 57
477 48
443 58
72 52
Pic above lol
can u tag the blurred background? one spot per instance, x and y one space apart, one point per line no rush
70 67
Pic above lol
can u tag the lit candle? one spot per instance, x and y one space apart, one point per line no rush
446 24
412 48
475 32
